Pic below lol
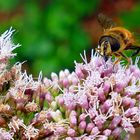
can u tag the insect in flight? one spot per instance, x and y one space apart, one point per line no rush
115 40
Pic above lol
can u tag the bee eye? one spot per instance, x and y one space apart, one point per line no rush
115 45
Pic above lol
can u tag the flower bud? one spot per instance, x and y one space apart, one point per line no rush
65 82
66 71
72 88
89 127
82 117
74 79
107 132
79 73
61 74
60 100
57 116
131 111
119 87
54 76
106 105
71 132
94 131
60 130
101 95
106 87
135 70
115 122
116 132
73 119
128 102
82 127
73 113
53 105
47 82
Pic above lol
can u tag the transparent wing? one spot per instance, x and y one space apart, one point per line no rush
105 21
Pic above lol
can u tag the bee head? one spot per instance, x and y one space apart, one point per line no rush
108 45
105 48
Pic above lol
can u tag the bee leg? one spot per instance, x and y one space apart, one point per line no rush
118 60
135 48
105 58
128 59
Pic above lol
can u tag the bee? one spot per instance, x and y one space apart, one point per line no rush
115 40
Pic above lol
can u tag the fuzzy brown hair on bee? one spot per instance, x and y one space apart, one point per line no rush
115 40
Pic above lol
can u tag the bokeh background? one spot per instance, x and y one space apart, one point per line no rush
53 33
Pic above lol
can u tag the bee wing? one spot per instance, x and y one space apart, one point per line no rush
105 21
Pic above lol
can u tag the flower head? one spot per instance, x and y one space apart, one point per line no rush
6 45
97 101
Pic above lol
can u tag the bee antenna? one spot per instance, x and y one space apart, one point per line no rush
98 54
105 58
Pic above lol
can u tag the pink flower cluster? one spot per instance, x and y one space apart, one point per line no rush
98 101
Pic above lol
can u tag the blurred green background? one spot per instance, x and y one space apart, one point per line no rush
54 32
